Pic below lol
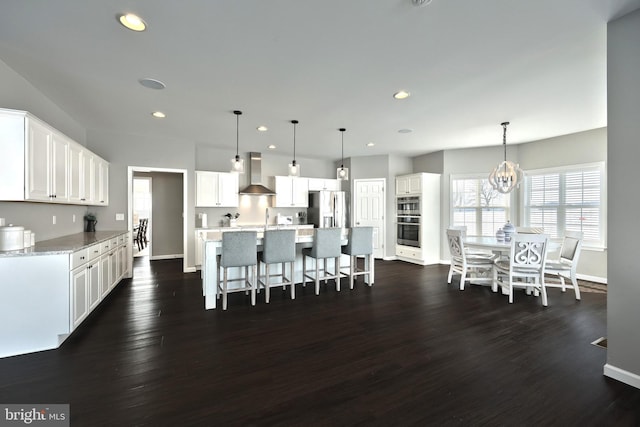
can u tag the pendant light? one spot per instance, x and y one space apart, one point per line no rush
294 168
507 175
237 164
342 173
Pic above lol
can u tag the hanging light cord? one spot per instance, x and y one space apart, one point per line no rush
504 144
342 133
237 113
295 122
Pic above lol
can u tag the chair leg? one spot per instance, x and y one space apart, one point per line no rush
543 290
564 289
463 276
510 290
371 268
576 288
450 275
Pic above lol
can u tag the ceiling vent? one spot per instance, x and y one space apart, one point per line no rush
255 186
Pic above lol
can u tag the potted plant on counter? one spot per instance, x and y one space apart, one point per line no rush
90 221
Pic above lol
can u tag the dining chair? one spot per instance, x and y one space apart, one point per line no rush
470 251
525 266
360 243
326 245
565 266
238 250
479 267
278 247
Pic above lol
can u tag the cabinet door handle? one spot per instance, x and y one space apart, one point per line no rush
81 258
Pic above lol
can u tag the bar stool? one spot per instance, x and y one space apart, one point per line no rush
238 250
360 244
326 244
279 247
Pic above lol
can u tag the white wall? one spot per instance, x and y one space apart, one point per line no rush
623 295
18 94
582 147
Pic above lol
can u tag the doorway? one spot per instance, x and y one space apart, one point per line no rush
142 215
169 190
369 208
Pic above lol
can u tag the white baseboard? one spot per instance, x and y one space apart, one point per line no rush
189 270
157 257
389 258
622 375
595 279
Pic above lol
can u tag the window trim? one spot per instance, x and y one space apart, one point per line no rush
601 165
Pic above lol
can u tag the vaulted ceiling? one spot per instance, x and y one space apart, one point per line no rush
469 65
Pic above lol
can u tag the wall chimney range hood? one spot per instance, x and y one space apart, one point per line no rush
255 186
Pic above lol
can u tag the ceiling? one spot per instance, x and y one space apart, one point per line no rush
468 64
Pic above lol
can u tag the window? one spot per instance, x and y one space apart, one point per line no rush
476 205
567 199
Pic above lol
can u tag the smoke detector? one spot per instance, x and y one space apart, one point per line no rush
418 3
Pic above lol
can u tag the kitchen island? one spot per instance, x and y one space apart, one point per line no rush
212 246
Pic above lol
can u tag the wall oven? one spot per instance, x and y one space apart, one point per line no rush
408 206
408 233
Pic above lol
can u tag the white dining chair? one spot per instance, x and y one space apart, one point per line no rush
479 268
525 266
565 266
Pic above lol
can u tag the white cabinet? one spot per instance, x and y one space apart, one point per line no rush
85 286
47 163
427 230
217 189
41 164
409 184
291 192
321 184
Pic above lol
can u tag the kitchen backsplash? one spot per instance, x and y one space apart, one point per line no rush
248 215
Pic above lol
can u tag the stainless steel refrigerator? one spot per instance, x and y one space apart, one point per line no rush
327 209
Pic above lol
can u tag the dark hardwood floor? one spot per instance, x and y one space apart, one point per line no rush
412 350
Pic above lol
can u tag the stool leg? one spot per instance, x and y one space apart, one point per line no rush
293 284
304 270
336 268
317 277
253 285
352 269
224 289
267 288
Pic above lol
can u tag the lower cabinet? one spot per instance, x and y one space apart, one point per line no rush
95 272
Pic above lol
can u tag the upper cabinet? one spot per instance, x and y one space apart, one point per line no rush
291 192
408 184
41 164
320 184
217 189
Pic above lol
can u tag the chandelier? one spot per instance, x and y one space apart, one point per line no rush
507 175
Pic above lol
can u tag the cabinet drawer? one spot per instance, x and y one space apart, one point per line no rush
122 239
105 247
114 243
94 251
79 257
409 253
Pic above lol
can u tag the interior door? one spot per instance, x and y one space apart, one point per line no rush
369 208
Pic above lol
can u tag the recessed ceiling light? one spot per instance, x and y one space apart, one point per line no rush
262 128
370 144
158 114
405 130
132 22
403 94
152 83
271 147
